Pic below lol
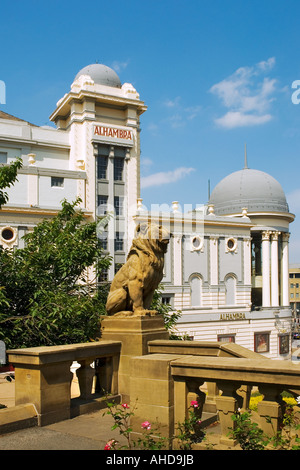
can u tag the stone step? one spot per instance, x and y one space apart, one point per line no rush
208 418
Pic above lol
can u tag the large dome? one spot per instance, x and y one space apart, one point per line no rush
101 74
252 189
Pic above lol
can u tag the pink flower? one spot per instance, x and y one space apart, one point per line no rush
125 405
194 403
146 425
110 444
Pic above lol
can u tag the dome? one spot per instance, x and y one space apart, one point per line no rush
252 189
101 74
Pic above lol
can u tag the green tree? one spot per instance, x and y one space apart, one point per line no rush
8 176
170 315
49 292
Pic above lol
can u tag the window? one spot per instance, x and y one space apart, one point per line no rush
230 287
3 157
103 276
261 342
297 285
197 243
119 243
118 266
292 286
102 167
196 285
102 205
57 182
166 300
103 239
226 338
118 168
284 344
118 203
8 234
231 244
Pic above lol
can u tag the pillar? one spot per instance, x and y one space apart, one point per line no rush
274 270
266 300
177 256
285 270
110 208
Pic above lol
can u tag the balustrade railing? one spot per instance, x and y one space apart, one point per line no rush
43 376
234 379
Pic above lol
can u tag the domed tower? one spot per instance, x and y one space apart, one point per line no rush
258 196
102 117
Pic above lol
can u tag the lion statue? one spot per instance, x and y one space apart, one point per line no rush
134 284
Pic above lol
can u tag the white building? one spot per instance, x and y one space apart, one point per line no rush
227 264
93 154
227 267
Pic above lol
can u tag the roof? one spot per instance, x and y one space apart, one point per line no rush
101 74
10 117
252 189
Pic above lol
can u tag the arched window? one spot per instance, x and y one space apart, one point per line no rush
196 288
230 288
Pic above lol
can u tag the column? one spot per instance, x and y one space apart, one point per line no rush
285 270
110 208
177 257
274 270
214 272
266 300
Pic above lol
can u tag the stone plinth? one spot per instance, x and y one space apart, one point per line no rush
134 332
152 394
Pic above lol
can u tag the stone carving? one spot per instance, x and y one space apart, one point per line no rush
133 286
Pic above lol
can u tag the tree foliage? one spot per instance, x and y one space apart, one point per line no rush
8 176
48 289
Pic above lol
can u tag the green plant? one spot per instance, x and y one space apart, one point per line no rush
189 432
121 415
247 433
287 438
170 315
49 292
251 437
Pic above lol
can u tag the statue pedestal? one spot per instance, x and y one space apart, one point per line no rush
134 332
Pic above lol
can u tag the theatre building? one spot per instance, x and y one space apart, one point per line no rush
227 265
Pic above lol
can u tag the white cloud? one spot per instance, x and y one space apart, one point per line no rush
172 103
247 95
146 162
237 119
181 114
118 66
165 177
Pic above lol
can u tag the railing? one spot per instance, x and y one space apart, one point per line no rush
232 378
43 377
219 376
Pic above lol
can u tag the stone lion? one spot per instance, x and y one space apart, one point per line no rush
134 284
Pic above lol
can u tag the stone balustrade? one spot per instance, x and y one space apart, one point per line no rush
160 381
43 376
175 372
232 377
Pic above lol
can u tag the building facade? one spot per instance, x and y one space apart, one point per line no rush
93 154
227 268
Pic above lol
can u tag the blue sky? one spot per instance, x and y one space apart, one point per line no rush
214 75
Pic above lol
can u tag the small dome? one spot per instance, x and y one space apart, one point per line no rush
252 189
101 74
